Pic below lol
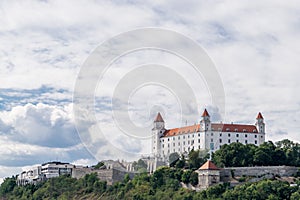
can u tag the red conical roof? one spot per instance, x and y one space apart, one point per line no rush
205 113
259 116
159 118
209 165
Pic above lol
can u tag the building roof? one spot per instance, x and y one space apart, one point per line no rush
214 126
209 165
159 118
182 130
259 116
234 128
205 113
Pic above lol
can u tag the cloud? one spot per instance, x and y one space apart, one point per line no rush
41 124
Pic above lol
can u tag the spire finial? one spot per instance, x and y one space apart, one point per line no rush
259 116
159 118
205 113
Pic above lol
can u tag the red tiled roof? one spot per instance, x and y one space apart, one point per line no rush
158 118
182 130
205 113
234 128
259 116
215 127
209 165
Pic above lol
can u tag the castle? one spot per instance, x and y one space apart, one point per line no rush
205 135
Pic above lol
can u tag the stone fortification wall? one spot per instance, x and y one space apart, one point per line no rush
282 171
109 175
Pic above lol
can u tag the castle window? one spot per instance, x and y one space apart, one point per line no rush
229 141
255 136
173 144
168 139
163 140
193 135
220 141
192 142
227 129
261 136
246 141
211 140
183 142
255 141
212 134
178 143
199 134
246 135
212 129
163 145
173 138
236 130
188 136
188 142
254 130
183 137
198 140
228 134
220 134
199 147
237 135
173 150
244 130
178 137
237 140
168 145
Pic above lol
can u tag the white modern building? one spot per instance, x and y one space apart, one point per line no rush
205 135
43 172
55 169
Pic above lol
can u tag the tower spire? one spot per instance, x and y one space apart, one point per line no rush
159 118
259 116
205 113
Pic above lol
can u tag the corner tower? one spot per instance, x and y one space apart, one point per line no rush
260 125
205 124
157 131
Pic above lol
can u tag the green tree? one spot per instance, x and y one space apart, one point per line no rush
194 178
7 186
186 176
197 158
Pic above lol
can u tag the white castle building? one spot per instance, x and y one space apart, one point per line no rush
205 135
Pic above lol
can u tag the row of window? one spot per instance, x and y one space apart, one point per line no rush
183 143
188 136
229 141
179 150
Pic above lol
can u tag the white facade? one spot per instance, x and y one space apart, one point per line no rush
205 135
55 169
44 171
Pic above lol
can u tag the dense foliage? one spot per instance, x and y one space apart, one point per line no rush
162 184
167 182
284 152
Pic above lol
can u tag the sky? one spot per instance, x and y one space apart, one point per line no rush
44 45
